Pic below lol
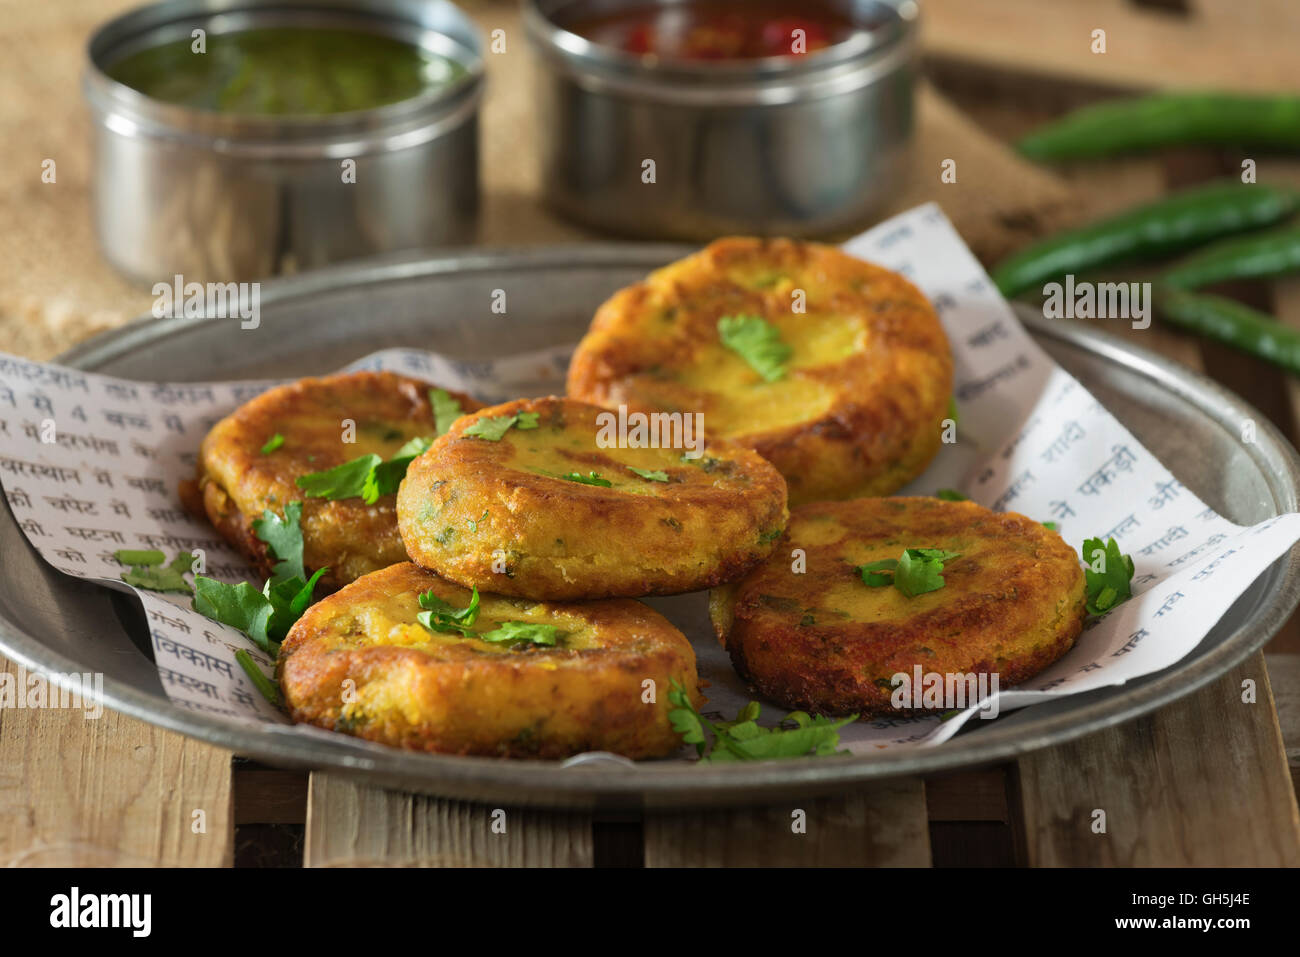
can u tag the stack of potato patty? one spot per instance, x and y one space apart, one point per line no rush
483 563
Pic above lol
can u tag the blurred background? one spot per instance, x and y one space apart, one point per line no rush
993 70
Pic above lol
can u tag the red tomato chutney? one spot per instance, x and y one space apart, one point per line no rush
720 29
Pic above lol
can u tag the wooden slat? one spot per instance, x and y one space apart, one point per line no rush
1203 782
979 795
266 795
1284 674
354 825
999 201
971 844
880 826
1244 45
111 791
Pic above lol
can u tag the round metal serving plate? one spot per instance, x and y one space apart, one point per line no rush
317 322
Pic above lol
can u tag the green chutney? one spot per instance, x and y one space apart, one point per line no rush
286 71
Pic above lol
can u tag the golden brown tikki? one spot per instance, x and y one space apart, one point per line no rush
836 371
338 445
543 498
888 584
406 658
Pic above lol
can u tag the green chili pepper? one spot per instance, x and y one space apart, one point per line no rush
1169 119
1245 257
1156 229
1232 323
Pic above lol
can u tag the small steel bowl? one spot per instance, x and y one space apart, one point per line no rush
225 197
781 145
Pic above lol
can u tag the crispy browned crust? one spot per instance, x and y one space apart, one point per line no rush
452 697
470 512
1012 604
236 482
884 424
237 528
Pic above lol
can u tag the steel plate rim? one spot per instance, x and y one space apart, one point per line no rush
663 784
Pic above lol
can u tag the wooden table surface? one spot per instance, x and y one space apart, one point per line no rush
1209 780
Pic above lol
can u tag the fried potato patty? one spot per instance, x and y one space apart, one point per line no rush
824 641
859 406
237 481
546 511
429 691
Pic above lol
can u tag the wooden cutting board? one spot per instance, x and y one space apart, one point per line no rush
1246 45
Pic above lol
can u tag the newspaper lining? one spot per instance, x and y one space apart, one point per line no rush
1031 440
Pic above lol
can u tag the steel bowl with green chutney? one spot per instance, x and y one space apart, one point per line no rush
236 140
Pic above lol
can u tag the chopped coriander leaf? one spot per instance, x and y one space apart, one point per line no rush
366 477
283 537
289 598
473 525
385 477
745 740
446 618
650 475
183 562
935 553
139 556
758 342
273 443
748 741
522 631
491 428
265 616
343 481
240 606
873 573
749 712
952 410
591 478
446 409
412 448
685 720
1108 575
1051 526
951 495
918 571
153 576
260 681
